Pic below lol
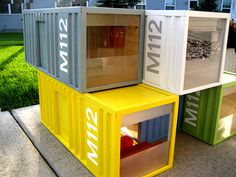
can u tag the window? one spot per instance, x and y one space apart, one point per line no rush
112 49
233 10
141 4
11 7
225 6
169 4
204 51
193 4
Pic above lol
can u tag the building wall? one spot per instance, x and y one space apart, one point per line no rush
160 4
155 4
12 23
92 3
181 4
43 4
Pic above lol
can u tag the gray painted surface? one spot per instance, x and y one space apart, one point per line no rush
155 4
18 156
13 22
60 61
193 158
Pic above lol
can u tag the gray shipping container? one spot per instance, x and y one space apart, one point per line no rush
87 48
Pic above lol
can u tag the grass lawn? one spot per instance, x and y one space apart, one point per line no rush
18 80
11 39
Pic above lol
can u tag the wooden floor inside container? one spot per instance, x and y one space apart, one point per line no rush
200 72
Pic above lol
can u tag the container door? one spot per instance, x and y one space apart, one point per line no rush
204 51
112 49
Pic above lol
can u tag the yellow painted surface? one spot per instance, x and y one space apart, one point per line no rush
89 124
132 96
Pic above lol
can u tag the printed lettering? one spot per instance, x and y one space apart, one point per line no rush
191 119
152 37
92 139
196 98
94 116
63 56
151 68
63 25
192 105
153 47
158 28
62 44
63 51
92 155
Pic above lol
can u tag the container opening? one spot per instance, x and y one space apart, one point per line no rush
204 51
112 49
145 142
227 121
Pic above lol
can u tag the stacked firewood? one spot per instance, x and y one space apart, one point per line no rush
201 50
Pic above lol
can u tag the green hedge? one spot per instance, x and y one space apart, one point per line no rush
11 39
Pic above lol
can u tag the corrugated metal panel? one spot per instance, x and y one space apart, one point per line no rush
156 129
90 126
55 42
209 114
200 114
170 62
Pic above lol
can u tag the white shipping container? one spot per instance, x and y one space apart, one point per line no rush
184 50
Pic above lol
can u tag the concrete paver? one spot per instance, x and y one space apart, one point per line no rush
18 156
59 158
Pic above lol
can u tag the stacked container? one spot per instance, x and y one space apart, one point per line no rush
126 131
184 50
108 130
89 49
210 114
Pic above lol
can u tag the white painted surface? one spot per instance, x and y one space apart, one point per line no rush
174 69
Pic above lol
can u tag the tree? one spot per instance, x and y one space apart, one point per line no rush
207 5
117 3
15 7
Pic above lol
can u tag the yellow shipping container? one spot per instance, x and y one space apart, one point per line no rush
102 129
